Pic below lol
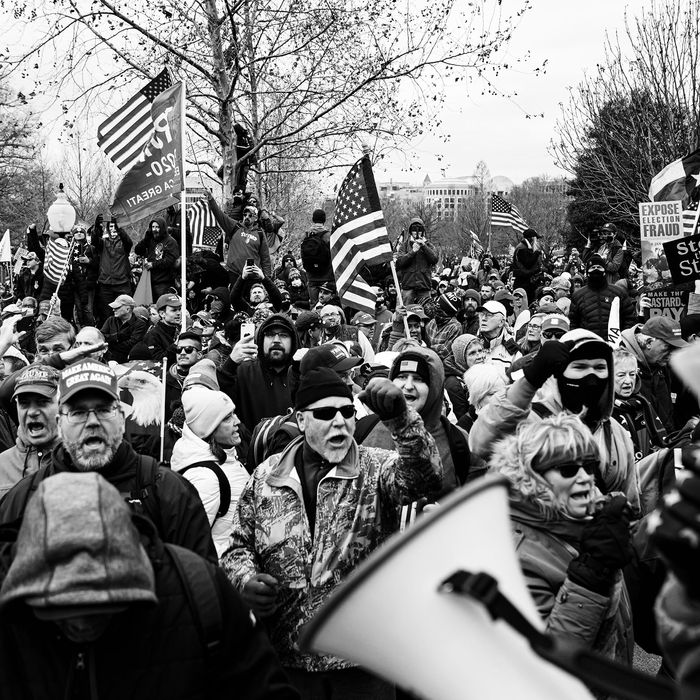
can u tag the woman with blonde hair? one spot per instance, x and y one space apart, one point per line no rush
571 552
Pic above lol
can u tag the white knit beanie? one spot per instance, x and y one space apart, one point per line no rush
205 409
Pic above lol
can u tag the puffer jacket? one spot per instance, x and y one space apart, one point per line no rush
502 416
137 655
190 449
590 309
545 548
356 510
415 268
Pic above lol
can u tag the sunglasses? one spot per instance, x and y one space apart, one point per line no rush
327 413
187 349
570 469
552 334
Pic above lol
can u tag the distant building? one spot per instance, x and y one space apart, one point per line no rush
448 196
401 191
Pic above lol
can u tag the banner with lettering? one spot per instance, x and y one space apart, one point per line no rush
683 255
156 177
659 223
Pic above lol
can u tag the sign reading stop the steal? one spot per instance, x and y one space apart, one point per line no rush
683 256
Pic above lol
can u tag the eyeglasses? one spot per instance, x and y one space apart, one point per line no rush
552 334
77 416
327 413
187 349
570 469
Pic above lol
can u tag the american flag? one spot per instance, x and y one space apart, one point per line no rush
205 233
123 135
505 214
477 248
690 221
358 236
56 259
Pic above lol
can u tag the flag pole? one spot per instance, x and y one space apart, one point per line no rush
488 212
183 213
163 379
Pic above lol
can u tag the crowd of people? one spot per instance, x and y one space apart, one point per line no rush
183 487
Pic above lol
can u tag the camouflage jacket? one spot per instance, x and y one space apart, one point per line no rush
356 510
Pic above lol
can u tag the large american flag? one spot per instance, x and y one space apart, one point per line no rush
123 135
205 233
504 213
358 236
56 259
690 220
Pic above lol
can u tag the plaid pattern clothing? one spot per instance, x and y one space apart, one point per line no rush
357 507
440 338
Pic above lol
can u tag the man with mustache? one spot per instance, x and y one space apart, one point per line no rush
36 396
91 424
255 374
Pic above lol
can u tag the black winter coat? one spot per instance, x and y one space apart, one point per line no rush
181 515
590 309
146 652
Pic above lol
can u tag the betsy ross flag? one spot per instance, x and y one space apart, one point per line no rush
205 233
506 214
123 135
677 180
358 236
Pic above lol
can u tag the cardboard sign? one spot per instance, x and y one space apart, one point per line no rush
665 302
683 256
659 222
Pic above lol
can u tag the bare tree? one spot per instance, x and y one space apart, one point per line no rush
306 79
638 112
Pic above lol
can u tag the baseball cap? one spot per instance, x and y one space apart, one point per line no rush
493 307
331 356
561 283
556 322
665 329
88 374
168 300
503 293
122 300
37 379
30 256
449 303
472 294
364 320
416 310
530 233
327 287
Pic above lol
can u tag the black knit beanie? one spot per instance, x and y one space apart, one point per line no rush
319 384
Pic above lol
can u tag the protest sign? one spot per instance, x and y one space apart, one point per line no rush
157 176
683 256
659 222
666 302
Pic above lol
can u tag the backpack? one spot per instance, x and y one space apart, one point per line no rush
263 433
224 484
315 253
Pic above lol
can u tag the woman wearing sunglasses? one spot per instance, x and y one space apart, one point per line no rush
571 545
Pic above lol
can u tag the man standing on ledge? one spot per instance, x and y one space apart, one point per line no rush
310 514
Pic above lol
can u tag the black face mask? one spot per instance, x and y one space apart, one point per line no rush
577 394
596 279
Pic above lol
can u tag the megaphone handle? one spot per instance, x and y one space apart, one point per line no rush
595 670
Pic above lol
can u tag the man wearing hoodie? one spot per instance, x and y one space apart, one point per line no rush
444 327
161 338
112 247
161 252
570 374
527 261
315 253
91 426
420 375
416 264
590 305
97 600
255 374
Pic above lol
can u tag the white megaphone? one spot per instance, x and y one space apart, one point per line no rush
396 617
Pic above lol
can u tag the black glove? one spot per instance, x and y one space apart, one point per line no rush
550 360
605 547
675 527
384 398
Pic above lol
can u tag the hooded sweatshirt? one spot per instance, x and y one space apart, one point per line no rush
258 390
415 268
445 434
163 254
502 417
455 367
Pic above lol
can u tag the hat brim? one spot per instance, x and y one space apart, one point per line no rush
93 387
676 342
41 390
412 314
63 612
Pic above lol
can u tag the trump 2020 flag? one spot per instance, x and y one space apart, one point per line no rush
358 236
677 180
157 176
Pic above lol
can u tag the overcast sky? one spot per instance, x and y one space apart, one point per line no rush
571 36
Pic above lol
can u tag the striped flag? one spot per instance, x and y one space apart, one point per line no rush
506 214
205 233
123 135
477 248
56 259
358 236
690 220
677 180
